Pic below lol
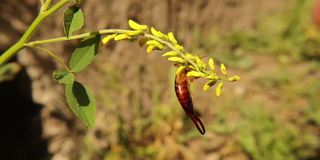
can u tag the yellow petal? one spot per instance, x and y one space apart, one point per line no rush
219 88
207 85
196 74
176 59
223 69
120 37
172 38
155 43
170 54
134 33
211 64
180 69
156 33
106 39
179 47
190 56
233 78
134 25
150 49
200 63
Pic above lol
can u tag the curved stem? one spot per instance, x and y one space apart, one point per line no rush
54 56
13 50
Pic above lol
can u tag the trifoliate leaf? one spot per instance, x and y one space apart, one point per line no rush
211 64
172 38
81 102
84 54
134 25
63 76
176 59
170 54
233 78
73 20
180 69
196 74
223 69
219 88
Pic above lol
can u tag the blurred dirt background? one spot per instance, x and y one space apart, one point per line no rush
273 113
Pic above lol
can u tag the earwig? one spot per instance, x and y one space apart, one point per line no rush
185 100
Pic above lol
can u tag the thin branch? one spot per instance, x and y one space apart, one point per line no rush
54 56
74 37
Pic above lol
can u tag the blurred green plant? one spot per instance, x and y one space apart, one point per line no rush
288 33
79 96
9 71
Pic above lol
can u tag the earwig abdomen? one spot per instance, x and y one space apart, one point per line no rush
185 100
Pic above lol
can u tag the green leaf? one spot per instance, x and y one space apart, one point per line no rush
63 76
81 102
73 20
84 53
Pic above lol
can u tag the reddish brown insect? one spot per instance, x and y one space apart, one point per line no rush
185 100
316 13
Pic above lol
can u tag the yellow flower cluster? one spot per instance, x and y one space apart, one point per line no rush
156 40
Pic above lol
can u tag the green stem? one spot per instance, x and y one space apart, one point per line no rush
54 56
79 36
45 5
13 50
